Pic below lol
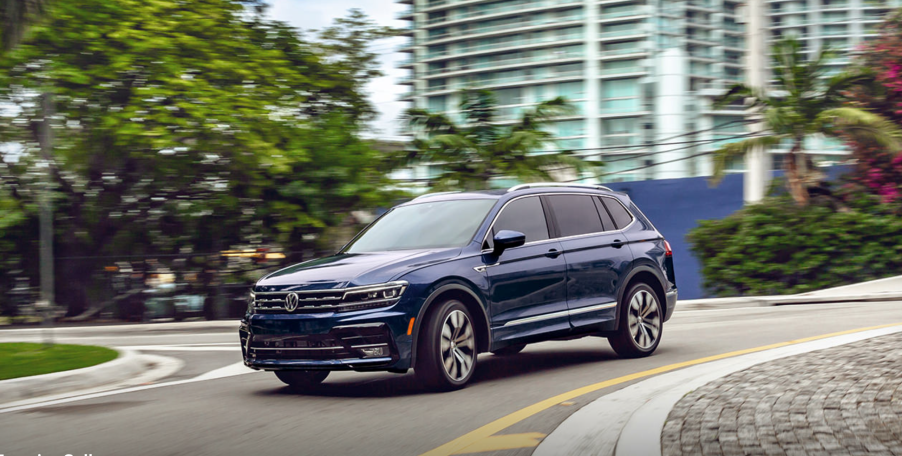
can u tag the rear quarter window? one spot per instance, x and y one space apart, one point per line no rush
621 216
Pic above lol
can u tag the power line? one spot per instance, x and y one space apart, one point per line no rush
750 135
695 143
699 143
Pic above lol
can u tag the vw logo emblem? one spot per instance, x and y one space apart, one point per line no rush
291 302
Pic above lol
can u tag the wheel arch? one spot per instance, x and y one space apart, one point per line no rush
642 273
473 303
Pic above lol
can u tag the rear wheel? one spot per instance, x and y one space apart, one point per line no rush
301 378
641 323
446 354
510 350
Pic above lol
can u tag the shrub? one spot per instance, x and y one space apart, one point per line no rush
776 247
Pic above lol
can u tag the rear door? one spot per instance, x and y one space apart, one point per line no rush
527 283
596 255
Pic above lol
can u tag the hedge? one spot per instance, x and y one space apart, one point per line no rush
776 247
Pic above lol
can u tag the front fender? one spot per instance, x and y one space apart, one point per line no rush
450 285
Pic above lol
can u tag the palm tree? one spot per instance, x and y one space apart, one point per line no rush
804 102
473 152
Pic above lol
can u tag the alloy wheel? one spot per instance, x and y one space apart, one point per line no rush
458 345
644 319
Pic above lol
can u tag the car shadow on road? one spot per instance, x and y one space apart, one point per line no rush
489 368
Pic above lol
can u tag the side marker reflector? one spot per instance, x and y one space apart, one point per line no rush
410 326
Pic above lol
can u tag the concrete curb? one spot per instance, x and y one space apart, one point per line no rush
630 421
128 364
766 301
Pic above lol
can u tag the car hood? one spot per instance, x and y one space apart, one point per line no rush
351 269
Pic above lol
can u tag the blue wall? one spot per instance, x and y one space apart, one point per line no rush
674 206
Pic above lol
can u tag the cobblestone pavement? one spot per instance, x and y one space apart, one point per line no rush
841 400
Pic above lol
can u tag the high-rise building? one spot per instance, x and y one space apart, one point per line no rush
841 25
637 70
643 73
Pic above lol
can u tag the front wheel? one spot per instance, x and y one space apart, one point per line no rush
446 354
302 378
641 323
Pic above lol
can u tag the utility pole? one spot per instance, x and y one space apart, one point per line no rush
757 172
45 138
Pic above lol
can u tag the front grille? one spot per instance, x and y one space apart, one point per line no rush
332 300
340 343
316 301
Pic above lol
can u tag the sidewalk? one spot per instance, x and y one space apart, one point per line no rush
888 289
841 400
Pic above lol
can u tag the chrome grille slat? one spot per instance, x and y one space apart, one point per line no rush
327 300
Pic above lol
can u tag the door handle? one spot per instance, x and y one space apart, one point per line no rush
617 243
553 253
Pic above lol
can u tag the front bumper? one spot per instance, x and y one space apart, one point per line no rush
326 341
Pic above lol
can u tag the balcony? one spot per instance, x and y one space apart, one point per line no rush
620 71
404 15
472 32
543 59
619 52
622 33
515 8
512 45
643 10
702 4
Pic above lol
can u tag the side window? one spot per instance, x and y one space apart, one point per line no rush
621 216
606 220
575 214
524 215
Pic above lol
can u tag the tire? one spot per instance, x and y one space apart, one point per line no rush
446 354
641 323
300 378
510 350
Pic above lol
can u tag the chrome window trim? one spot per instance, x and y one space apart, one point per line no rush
575 236
562 313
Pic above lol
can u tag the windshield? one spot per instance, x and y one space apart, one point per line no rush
443 224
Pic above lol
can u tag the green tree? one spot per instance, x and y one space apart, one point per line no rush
207 127
347 43
804 102
479 149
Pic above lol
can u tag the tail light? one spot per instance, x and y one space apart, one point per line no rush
668 252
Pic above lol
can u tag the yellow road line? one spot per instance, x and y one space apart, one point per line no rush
484 432
504 442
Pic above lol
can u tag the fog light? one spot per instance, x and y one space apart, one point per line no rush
374 351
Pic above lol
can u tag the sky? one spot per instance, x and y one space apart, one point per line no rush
383 92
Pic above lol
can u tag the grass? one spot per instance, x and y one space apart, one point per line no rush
26 359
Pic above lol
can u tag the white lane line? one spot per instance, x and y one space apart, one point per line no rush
234 347
223 372
4 337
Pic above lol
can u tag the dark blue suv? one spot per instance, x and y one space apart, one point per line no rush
440 279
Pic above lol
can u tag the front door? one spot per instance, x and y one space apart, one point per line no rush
527 284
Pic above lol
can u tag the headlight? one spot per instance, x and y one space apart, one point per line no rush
251 298
382 295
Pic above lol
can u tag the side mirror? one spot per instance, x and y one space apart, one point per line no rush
506 239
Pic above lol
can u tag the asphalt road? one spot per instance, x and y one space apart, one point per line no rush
371 413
